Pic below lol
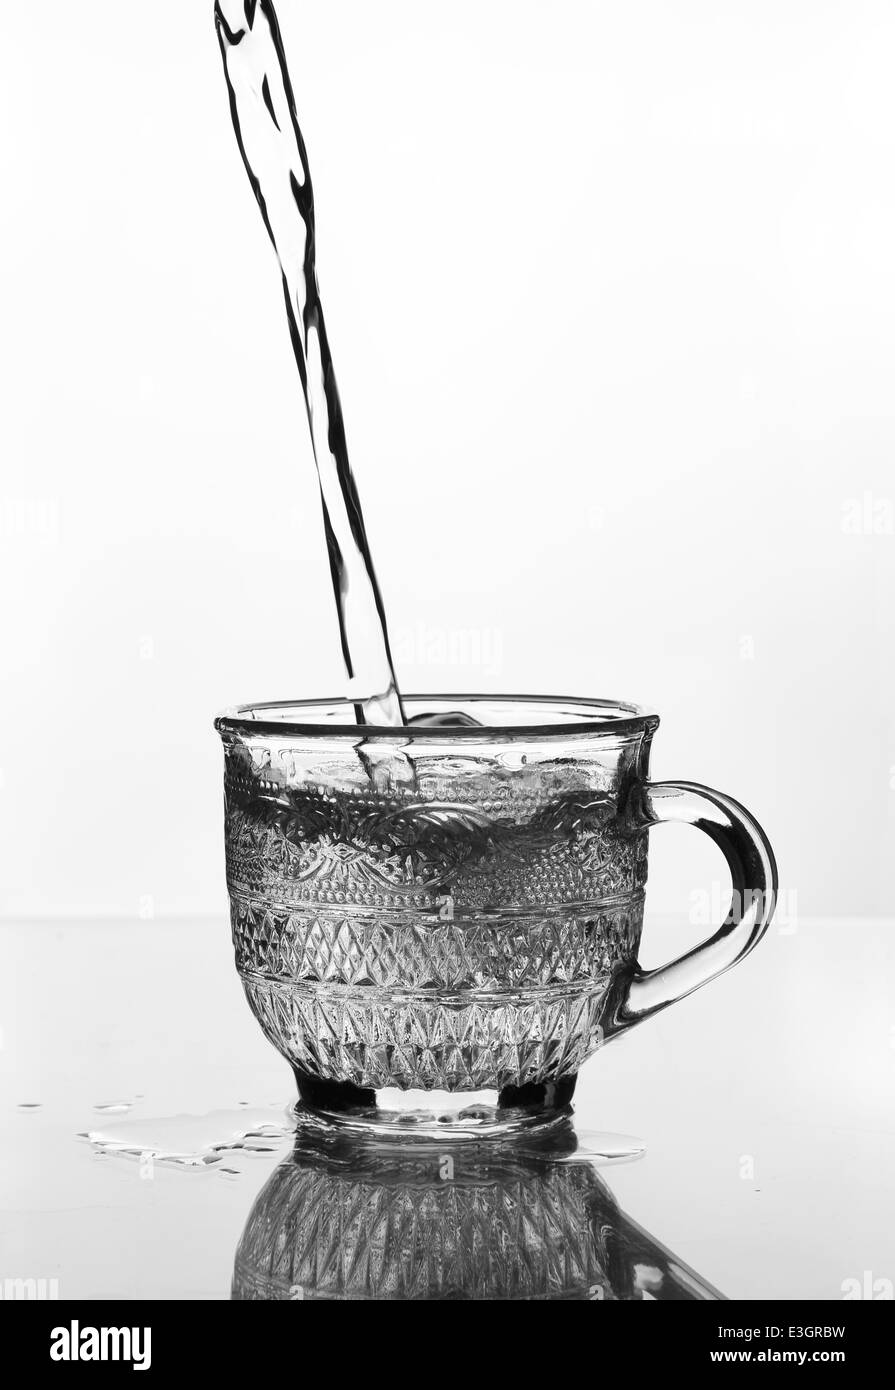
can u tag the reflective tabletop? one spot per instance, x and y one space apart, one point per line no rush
149 1147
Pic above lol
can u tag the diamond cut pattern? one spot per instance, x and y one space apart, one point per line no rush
318 1233
500 952
376 1038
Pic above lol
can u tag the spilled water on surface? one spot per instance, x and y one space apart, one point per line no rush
195 1141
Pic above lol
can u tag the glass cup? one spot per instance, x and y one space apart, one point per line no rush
437 925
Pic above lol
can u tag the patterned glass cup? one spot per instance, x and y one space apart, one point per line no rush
437 925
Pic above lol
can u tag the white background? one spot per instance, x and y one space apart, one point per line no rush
611 294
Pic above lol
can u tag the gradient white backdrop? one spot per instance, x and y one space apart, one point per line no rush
611 293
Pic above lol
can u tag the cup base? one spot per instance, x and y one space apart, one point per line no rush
391 1113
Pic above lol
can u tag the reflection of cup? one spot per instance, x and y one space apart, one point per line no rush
437 926
342 1219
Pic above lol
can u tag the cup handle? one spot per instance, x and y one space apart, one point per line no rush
642 993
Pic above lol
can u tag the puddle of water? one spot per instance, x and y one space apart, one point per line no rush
599 1148
194 1141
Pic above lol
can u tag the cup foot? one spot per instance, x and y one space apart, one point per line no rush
396 1114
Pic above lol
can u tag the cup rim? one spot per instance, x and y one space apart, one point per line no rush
622 718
